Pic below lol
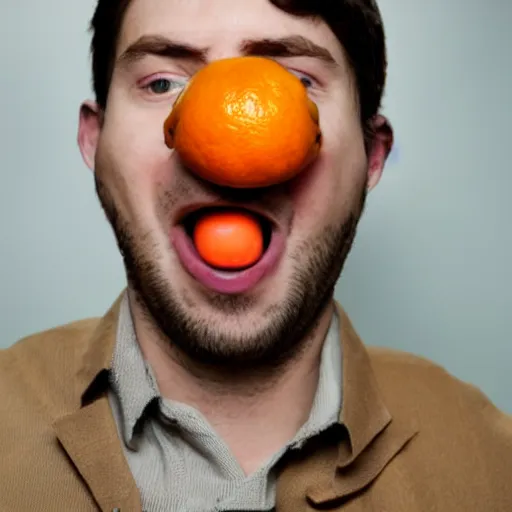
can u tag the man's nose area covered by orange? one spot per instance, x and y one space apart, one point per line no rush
244 122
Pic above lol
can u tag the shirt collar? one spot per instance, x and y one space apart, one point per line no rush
130 377
327 403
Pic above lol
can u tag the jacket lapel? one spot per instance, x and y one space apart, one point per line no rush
89 434
371 438
90 439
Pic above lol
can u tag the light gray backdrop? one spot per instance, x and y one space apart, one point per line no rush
430 272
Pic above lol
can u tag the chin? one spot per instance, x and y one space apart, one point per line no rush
245 307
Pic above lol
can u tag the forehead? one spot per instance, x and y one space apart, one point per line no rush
220 25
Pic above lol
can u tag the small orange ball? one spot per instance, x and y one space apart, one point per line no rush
229 240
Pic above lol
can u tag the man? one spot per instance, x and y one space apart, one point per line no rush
183 398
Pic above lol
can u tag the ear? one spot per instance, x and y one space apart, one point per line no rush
89 128
379 148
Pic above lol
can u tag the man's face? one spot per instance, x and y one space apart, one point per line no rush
144 188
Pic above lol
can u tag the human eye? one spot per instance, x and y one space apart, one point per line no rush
307 80
162 85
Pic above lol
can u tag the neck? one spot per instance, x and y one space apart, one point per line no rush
240 407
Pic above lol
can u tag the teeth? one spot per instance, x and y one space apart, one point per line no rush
228 275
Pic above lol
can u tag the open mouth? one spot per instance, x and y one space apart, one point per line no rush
227 280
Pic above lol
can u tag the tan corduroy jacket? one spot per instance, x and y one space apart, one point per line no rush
416 438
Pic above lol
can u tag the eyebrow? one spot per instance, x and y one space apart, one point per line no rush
161 47
291 46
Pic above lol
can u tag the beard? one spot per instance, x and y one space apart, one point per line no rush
284 328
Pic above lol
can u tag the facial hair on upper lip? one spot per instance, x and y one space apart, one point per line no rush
273 202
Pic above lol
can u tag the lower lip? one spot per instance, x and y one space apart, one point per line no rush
235 282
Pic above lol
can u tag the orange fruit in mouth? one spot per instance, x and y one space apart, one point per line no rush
229 240
244 122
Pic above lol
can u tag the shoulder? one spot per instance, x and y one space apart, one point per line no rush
45 360
37 381
410 377
461 454
68 338
452 415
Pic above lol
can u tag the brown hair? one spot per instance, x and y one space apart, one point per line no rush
356 23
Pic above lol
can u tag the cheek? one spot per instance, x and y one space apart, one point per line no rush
135 133
312 192
131 176
132 157
330 189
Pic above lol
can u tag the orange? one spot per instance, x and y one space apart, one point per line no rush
244 122
228 240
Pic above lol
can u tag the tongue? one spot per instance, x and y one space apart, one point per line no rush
229 240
